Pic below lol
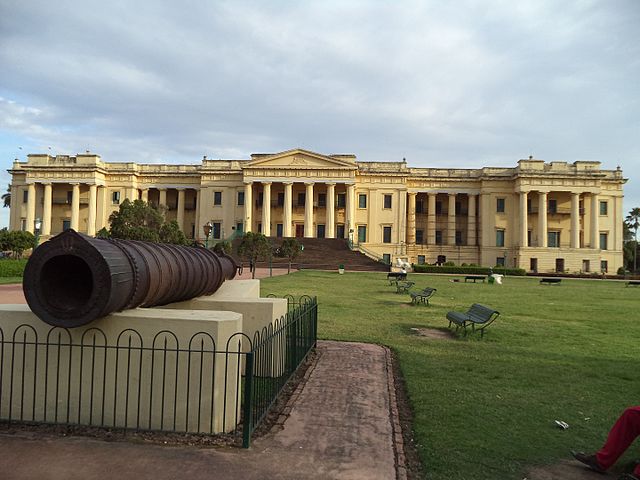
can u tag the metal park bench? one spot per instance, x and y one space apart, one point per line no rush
396 276
550 281
633 283
403 287
474 278
477 315
422 296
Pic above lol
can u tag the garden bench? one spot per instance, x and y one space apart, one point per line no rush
476 315
633 283
474 278
422 296
395 276
550 281
403 287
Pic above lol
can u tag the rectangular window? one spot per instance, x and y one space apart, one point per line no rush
302 198
553 206
115 197
279 230
419 206
362 200
438 237
604 266
438 208
386 234
239 228
604 207
419 237
322 199
421 260
603 241
341 201
553 239
529 205
533 265
70 196
23 224
458 208
25 196
217 198
499 238
260 200
387 201
260 228
458 237
66 225
280 199
386 258
216 230
529 234
340 230
586 266
500 205
240 199
320 231
362 233
500 261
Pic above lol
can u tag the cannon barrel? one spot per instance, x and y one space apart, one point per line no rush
74 279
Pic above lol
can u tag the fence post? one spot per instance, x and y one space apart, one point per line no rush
247 427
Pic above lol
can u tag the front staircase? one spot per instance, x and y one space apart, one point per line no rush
325 254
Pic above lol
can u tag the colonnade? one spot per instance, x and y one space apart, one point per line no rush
287 220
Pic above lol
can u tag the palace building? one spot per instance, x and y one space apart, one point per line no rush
542 217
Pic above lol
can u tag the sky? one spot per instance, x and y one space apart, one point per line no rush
461 84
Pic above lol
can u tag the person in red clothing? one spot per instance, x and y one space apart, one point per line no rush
622 434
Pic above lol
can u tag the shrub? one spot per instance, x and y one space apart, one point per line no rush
12 268
470 270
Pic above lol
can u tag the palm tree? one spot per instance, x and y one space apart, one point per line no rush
633 222
6 197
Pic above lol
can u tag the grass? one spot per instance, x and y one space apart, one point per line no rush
485 409
9 280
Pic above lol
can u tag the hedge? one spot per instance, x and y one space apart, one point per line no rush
12 268
466 270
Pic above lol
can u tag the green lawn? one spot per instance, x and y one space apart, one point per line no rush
9 280
485 409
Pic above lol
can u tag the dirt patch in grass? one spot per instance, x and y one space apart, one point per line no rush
434 333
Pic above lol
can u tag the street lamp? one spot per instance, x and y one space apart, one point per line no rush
207 231
37 224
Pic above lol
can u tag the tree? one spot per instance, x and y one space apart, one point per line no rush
20 241
633 223
223 246
254 246
170 233
136 220
6 197
290 249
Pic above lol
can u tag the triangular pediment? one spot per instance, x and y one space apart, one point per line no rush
299 158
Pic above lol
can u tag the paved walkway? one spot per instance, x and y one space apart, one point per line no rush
341 423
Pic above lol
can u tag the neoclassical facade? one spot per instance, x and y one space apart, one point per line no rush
538 216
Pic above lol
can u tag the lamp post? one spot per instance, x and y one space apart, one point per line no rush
37 225
207 231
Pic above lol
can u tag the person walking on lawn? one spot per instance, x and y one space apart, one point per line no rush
621 435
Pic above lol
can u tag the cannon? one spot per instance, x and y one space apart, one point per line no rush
74 279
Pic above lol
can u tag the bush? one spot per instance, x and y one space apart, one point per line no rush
12 268
222 246
468 270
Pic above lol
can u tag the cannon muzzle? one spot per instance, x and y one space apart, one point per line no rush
74 279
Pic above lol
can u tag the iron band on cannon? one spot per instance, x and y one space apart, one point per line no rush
74 279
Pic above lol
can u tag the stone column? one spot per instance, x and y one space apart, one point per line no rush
330 230
102 218
288 199
308 211
248 206
542 219
46 209
431 218
575 220
14 212
75 207
163 200
180 213
524 225
145 195
351 209
411 218
595 223
31 207
93 205
266 209
471 221
451 220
